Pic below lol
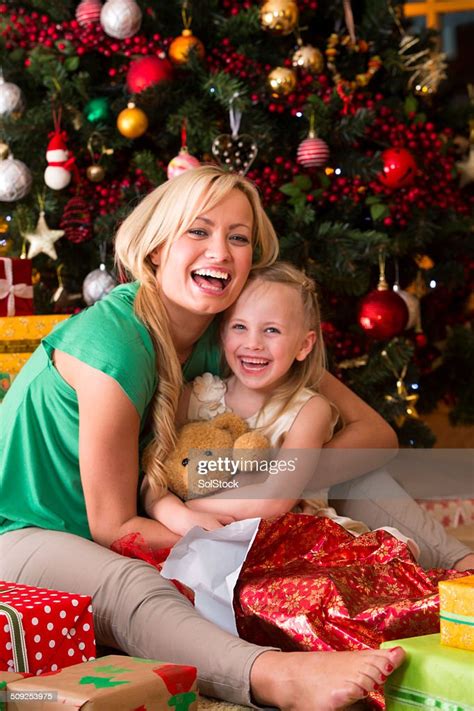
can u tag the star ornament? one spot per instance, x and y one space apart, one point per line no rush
43 239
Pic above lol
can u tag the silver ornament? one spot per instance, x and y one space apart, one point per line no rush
97 284
15 179
121 18
413 306
11 98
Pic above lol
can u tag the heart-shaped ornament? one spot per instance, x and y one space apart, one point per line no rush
236 153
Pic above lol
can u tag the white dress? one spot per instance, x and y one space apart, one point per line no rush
207 400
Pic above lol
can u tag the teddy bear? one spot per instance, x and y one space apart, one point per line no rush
215 440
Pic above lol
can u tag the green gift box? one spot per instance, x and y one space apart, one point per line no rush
431 677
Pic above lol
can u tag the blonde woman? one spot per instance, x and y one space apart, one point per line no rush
102 385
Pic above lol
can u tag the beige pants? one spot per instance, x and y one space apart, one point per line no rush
135 609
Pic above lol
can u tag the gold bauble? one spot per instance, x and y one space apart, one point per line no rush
35 276
309 58
132 122
4 226
95 173
182 45
4 150
280 17
282 81
6 245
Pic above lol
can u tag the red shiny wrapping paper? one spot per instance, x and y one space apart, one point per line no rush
308 584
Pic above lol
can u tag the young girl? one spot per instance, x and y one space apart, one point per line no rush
273 347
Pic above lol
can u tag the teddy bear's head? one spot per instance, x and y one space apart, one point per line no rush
208 439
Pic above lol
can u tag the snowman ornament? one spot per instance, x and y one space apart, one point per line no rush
60 163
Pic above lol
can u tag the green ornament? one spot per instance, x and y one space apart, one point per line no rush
97 110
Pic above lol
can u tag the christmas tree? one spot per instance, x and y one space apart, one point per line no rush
342 120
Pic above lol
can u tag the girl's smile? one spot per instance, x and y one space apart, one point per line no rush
264 334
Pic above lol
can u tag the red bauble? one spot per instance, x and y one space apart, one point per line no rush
312 152
399 168
88 12
77 221
147 72
382 314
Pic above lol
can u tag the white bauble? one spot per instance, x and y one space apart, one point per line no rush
121 18
15 179
11 98
56 177
413 306
97 284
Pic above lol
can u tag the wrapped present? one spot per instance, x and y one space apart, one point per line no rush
308 584
16 290
20 336
456 601
114 682
5 679
43 630
452 513
431 677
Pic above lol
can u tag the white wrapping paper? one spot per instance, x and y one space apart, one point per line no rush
209 562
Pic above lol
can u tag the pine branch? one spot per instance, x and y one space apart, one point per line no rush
146 161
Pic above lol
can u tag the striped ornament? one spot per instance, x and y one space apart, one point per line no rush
312 152
88 12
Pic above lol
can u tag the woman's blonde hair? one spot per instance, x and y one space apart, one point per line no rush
160 218
308 372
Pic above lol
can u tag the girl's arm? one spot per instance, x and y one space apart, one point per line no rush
108 456
281 491
175 515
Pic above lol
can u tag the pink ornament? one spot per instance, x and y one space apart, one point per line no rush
88 12
181 163
312 152
147 72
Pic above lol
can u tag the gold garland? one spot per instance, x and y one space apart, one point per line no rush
335 42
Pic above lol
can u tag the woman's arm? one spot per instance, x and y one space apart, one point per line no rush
366 442
108 456
280 491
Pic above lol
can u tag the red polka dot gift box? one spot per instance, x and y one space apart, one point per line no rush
43 630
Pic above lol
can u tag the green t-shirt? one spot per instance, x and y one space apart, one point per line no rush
40 482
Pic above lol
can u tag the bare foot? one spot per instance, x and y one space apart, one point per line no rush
466 563
320 681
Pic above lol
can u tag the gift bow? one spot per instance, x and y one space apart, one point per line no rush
17 634
10 290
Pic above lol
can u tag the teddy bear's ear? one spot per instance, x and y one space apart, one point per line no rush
231 422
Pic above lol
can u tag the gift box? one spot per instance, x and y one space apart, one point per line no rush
16 290
5 679
20 336
43 630
456 602
431 677
452 512
114 682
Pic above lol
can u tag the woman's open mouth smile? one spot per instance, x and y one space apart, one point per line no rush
211 281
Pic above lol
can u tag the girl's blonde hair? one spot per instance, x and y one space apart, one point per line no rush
160 219
308 372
